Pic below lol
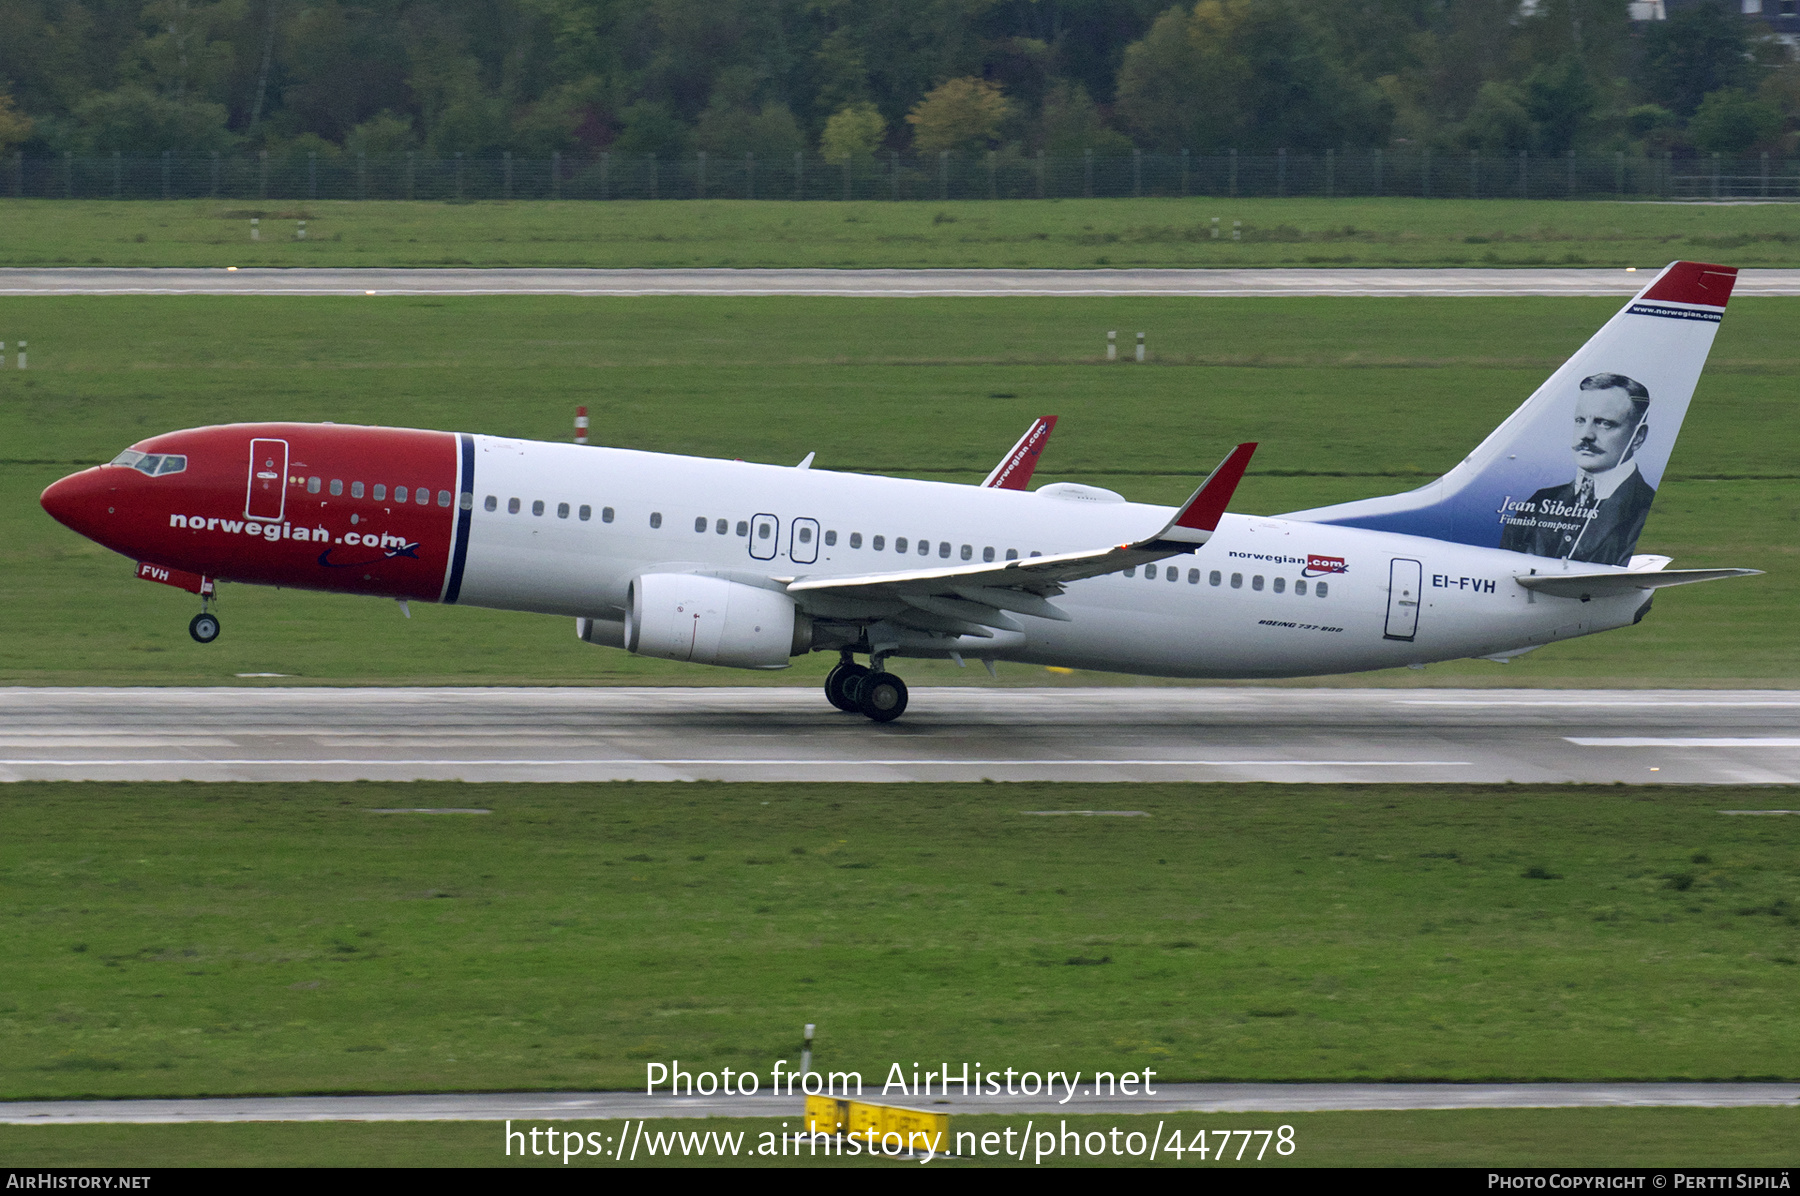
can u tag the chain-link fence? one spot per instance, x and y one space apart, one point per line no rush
606 176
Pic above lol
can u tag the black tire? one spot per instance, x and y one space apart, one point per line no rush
882 696
841 683
204 628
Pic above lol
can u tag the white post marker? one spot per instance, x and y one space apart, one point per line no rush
1237 230
255 229
21 354
581 425
1140 347
2 355
806 1051
1215 227
300 233
1112 346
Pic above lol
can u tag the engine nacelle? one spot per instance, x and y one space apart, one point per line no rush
708 620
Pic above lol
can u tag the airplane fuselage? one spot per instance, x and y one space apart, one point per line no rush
564 529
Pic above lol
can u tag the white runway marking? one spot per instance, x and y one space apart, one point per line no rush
1721 741
1215 283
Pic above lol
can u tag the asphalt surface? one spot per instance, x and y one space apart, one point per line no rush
854 283
948 734
1169 1098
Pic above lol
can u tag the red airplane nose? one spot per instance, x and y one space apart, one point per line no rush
81 502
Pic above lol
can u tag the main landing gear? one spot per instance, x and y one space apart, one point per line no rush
874 693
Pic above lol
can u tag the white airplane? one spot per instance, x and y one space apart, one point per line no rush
1529 540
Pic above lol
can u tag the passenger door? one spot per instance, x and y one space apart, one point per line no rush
1404 583
266 497
803 545
765 537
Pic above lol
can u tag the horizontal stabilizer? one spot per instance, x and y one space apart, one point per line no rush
1607 585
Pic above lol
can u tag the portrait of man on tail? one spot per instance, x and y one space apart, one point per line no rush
1595 516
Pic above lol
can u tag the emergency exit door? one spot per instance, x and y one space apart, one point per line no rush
1404 583
267 495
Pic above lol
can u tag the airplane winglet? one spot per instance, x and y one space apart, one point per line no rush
1199 516
1015 469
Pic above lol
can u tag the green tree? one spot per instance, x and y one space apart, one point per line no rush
853 132
15 126
1072 125
1560 99
961 116
1697 51
189 49
1499 122
136 120
1731 121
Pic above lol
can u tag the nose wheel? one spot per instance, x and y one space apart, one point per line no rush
204 627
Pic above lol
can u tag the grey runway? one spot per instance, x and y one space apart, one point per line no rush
859 283
1169 1098
1161 733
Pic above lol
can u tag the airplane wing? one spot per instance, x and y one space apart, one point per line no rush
1014 470
970 599
1606 585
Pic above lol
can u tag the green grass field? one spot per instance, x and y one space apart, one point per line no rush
1348 397
180 939
1062 233
1496 1138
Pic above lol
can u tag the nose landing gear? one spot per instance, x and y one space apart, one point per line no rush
204 627
874 693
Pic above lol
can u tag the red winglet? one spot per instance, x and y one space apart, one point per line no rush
1208 504
1694 282
1015 469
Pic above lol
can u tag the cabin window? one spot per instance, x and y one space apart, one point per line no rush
468 501
1322 589
1131 572
1174 573
1237 581
1281 585
562 510
700 523
1194 577
856 539
399 493
830 539
606 514
806 535
337 487
1150 572
586 513
656 519
491 504
312 485
925 548
1012 554
537 506
764 530
512 506
1256 583
722 527
1213 578
879 542
356 489
944 549
987 554
743 527
443 498
899 543
380 491
1300 587
1035 552
968 552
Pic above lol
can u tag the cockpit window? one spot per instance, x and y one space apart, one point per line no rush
151 465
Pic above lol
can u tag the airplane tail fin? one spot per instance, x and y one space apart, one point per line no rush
1572 472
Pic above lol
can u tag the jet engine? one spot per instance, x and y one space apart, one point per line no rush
709 620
